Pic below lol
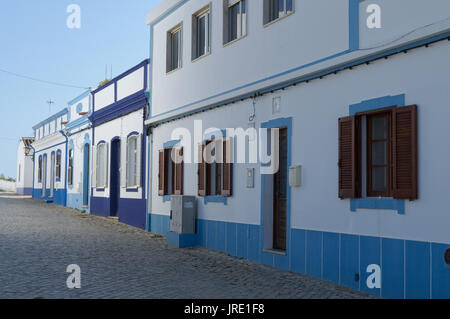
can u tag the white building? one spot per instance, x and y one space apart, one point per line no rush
119 108
79 152
360 113
24 179
50 148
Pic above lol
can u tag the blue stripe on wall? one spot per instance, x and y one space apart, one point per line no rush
417 270
393 256
349 261
331 257
441 272
314 253
370 254
408 268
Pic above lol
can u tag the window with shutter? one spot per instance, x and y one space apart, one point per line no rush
227 168
390 147
347 157
405 152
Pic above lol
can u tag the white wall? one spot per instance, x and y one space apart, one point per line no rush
73 108
400 17
79 141
120 127
7 186
316 30
25 164
422 75
47 145
126 86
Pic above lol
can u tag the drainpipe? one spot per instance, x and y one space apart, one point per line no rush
149 180
64 133
34 165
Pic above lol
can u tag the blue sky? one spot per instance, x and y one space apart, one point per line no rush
35 41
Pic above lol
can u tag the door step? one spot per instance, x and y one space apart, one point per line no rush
114 218
48 201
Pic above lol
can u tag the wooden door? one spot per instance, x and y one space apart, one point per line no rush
280 181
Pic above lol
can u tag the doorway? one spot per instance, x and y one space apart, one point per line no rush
86 175
44 175
115 178
280 181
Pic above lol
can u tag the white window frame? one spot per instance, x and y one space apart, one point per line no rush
206 13
101 166
285 13
242 21
131 160
169 67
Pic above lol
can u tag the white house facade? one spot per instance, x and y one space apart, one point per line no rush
118 147
50 149
354 112
24 179
79 152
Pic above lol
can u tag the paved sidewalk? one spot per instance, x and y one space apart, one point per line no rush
38 242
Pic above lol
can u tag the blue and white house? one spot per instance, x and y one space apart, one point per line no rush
50 149
118 147
355 111
79 152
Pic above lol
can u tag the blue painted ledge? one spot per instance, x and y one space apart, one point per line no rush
167 198
378 203
215 199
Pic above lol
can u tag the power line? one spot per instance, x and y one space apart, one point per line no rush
42 81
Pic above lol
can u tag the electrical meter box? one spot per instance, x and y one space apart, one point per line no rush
183 214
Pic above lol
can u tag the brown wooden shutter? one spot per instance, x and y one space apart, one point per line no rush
404 146
202 183
347 157
227 168
161 174
179 172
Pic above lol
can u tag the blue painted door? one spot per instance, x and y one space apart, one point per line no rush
86 175
115 178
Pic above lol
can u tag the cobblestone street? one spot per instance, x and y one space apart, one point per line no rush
38 242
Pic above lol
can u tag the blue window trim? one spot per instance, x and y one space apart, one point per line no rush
373 202
220 133
215 199
132 134
378 203
265 255
167 198
170 144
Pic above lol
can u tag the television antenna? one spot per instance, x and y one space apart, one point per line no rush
50 102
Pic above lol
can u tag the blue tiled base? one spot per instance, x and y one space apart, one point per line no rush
59 196
409 269
182 240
